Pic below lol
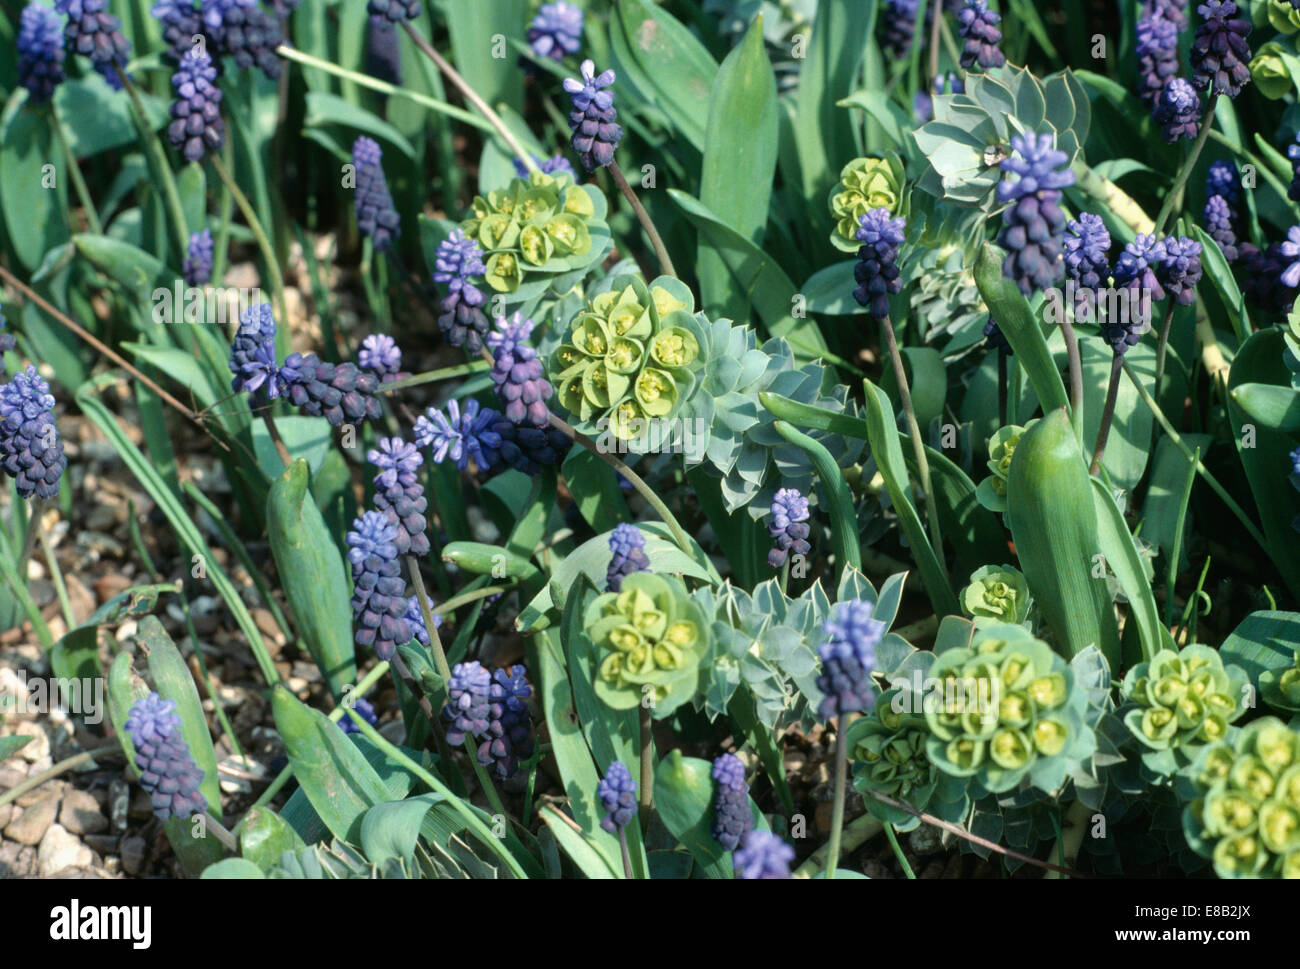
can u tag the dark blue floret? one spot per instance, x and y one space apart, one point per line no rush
876 271
468 702
1136 269
395 11
1220 54
617 794
378 589
995 340
978 26
789 526
365 710
732 818
898 25
376 217
509 734
528 449
1221 178
31 451
199 254
848 657
627 555
415 617
556 30
593 119
196 127
40 51
1261 277
762 854
167 768
342 393
1178 112
249 35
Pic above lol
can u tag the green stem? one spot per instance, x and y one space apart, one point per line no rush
647 789
1107 413
163 172
263 243
226 206
62 767
74 172
1071 838
276 439
652 233
1076 375
1163 346
432 376
1113 197
892 835
465 598
56 574
841 782
936 24
490 841
627 859
226 838
1201 469
1175 195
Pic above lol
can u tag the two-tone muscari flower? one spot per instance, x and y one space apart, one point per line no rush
399 493
1033 226
196 268
181 21
509 732
762 854
593 120
978 27
789 526
518 374
1181 269
196 127
876 271
378 589
556 30
617 795
732 818
252 355
627 555
1220 54
31 451
1219 224
381 355
167 769
1178 111
456 262
415 618
1222 196
468 702
458 435
40 51
1087 250
377 219
341 393
1157 53
1137 269
848 656
898 25
93 32
243 31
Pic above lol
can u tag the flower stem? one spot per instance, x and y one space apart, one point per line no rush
1163 346
432 376
841 781
892 835
646 791
661 252
1003 417
74 172
472 97
263 243
627 859
936 23
276 439
154 152
224 836
914 431
426 612
1175 195
1076 374
1107 413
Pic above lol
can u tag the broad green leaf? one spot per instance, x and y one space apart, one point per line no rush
1263 641
844 518
324 109
1116 544
33 188
830 290
1277 408
232 868
131 267
1220 274
264 836
577 845
392 829
305 437
684 795
88 99
479 39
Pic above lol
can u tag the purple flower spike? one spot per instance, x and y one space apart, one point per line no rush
627 555
1220 55
199 254
593 119
167 768
40 51
978 26
876 273
518 374
848 657
379 591
762 854
732 818
789 526
617 794
556 30
468 696
31 450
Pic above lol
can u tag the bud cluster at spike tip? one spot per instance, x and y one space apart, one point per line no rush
197 127
40 51
556 30
509 732
93 32
468 698
762 854
31 450
732 818
1178 112
617 795
1033 226
848 657
167 769
381 355
593 119
456 261
518 374
627 555
377 219
1157 53
789 527
399 493
252 355
378 589
978 27
1220 54
876 272
200 252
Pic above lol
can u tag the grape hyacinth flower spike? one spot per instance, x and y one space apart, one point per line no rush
627 555
848 657
789 527
1178 112
381 355
468 702
462 323
252 355
167 769
556 30
1157 52
732 818
1220 54
196 128
415 617
93 32
378 589
40 51
31 450
376 217
978 27
1033 227
1181 269
593 119
617 795
876 273
395 11
898 25
365 710
342 393
399 493
509 733
762 854
518 374
199 255
460 435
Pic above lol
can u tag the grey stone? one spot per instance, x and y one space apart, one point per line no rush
61 849
80 813
31 825
133 851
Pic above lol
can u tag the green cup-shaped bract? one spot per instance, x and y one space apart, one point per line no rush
997 592
1183 699
865 184
1270 71
1245 816
992 491
650 637
1280 689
